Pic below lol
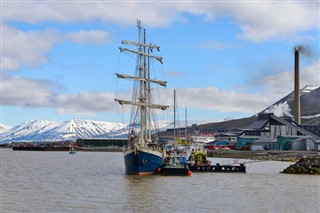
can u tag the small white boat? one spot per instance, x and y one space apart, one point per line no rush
72 151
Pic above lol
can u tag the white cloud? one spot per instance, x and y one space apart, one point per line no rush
25 92
262 21
222 100
123 13
282 83
19 91
275 87
9 64
259 21
89 37
31 48
42 93
84 103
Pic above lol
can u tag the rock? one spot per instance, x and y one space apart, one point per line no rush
305 166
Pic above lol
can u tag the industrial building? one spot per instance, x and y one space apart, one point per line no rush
270 132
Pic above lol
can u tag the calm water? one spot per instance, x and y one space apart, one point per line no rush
95 182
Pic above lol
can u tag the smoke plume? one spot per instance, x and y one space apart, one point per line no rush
303 49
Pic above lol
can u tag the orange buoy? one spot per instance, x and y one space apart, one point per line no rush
189 173
158 170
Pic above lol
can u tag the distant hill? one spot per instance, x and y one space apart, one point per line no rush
230 125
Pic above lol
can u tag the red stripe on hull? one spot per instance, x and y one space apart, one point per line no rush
140 173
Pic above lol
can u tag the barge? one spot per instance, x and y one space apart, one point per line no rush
218 168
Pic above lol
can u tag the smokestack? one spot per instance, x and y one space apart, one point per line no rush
297 118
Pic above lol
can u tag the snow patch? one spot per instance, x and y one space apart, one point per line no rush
311 116
4 128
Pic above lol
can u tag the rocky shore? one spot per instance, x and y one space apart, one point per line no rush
309 165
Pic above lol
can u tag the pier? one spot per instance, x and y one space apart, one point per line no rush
218 168
188 169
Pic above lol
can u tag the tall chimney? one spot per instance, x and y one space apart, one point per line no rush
297 118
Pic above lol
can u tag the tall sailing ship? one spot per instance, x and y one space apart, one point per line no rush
143 154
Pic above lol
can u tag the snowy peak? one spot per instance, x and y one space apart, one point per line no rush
4 128
40 130
28 129
76 128
308 88
35 126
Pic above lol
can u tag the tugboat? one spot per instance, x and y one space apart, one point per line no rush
142 155
175 162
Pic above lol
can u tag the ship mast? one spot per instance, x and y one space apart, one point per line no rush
174 116
143 101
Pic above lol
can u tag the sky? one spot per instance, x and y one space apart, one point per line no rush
225 59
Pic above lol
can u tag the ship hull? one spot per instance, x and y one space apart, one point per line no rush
142 161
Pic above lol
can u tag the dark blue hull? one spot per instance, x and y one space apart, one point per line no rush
142 162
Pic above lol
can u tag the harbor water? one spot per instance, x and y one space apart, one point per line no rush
95 182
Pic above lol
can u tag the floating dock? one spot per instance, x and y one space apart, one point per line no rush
169 170
188 169
218 168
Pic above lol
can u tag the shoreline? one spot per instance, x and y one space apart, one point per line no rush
291 156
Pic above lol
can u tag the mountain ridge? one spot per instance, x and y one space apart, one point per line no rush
42 130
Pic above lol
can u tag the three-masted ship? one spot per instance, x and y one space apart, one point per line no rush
142 155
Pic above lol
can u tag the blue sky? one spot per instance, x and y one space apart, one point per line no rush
226 59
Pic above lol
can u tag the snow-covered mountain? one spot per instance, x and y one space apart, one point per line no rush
40 130
310 104
76 128
4 128
29 130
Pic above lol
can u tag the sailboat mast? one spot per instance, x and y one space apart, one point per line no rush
144 98
142 88
149 92
174 116
186 125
